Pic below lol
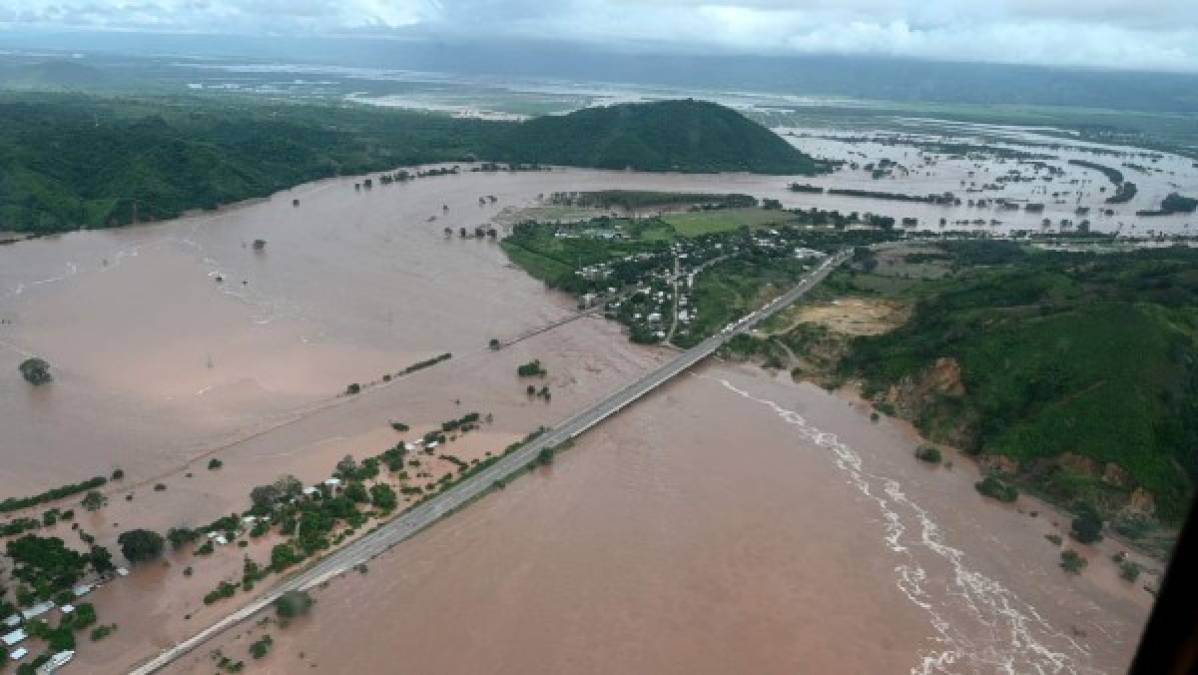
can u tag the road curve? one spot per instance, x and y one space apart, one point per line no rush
428 512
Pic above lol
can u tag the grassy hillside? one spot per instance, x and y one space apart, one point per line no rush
663 136
1068 362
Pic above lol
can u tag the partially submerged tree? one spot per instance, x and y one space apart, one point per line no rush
293 603
35 371
140 545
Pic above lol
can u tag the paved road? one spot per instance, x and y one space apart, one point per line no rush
427 513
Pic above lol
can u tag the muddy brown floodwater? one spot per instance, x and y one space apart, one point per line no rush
729 523
703 531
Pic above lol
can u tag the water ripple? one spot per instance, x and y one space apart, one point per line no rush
1005 635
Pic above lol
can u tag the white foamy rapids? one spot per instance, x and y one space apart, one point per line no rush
991 629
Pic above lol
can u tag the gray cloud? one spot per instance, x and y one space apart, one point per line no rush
1153 34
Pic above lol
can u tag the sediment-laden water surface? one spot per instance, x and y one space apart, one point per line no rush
708 530
730 523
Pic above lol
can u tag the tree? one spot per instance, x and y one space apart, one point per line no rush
347 467
284 488
356 492
94 501
283 556
383 496
140 545
264 496
100 559
293 603
35 371
1087 526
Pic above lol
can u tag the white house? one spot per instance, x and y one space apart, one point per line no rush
14 637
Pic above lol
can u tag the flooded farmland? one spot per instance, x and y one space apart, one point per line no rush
706 531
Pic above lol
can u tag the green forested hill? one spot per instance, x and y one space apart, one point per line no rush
665 136
1089 356
68 161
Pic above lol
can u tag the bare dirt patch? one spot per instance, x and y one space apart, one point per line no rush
854 315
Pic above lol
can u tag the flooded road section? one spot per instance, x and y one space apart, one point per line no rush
728 523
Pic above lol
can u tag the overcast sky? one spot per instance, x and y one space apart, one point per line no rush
1147 34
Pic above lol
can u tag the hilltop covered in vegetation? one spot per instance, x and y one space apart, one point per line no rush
685 135
1077 373
69 161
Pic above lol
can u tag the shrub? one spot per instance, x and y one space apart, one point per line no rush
118 474
261 647
992 486
283 556
1072 562
353 388
1054 538
929 454
94 501
531 369
400 426
214 464
84 616
178 536
1129 570
222 591
545 456
101 632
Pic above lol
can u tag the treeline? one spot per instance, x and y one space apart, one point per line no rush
893 196
639 199
1113 175
17 503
